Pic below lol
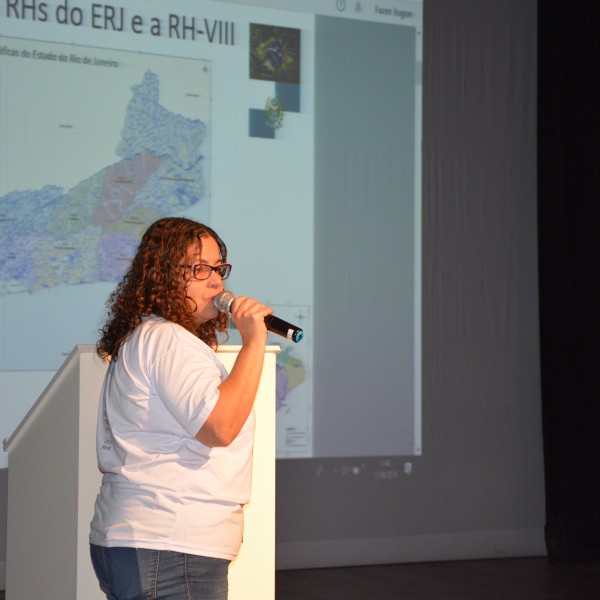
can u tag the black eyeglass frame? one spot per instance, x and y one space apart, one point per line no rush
223 270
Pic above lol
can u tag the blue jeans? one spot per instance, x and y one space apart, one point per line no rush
140 574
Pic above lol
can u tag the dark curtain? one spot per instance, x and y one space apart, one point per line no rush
569 263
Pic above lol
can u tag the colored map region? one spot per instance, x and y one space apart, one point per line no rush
290 374
87 234
96 144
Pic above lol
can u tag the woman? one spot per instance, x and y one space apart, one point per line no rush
175 432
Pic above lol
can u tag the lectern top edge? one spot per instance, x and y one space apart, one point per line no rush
77 350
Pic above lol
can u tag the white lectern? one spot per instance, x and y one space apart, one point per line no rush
54 479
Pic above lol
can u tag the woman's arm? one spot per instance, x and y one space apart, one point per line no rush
238 391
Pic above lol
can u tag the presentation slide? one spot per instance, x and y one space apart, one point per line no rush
293 128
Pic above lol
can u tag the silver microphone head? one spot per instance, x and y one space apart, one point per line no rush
223 301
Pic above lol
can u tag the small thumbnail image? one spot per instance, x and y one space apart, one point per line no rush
274 53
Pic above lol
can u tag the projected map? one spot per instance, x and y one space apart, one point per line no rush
125 143
50 237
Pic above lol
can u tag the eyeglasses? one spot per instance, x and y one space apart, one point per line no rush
202 272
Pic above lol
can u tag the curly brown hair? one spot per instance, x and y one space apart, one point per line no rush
153 285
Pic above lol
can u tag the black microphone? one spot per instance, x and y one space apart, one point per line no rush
275 324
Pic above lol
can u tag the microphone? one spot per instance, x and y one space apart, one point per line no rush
274 324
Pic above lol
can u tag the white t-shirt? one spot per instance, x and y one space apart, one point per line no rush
163 489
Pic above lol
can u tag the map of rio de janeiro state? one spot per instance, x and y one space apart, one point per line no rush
51 236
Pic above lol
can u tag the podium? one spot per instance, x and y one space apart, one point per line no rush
54 479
